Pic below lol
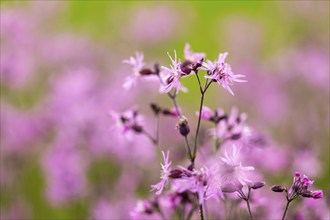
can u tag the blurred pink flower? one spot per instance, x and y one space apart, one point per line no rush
233 170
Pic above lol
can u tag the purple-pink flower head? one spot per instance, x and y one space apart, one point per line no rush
164 174
196 181
171 76
192 57
137 65
206 113
127 121
221 72
300 187
232 170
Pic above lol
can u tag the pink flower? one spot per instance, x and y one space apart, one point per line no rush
232 170
137 65
318 194
164 174
221 72
197 181
206 113
191 56
130 120
172 76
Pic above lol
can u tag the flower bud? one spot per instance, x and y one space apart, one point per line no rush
183 126
306 193
257 185
186 67
155 108
278 188
146 72
318 194
175 174
137 128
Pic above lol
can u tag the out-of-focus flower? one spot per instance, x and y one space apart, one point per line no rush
130 120
171 76
164 174
299 188
196 181
206 113
232 170
221 72
192 57
64 168
137 65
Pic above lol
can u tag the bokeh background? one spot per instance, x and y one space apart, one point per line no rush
62 72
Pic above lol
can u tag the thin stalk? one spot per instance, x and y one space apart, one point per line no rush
286 208
201 211
191 212
207 84
151 138
188 148
249 208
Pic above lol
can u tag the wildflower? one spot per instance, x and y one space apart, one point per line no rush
196 181
221 72
172 76
206 113
164 174
229 126
233 171
299 188
138 70
195 59
128 121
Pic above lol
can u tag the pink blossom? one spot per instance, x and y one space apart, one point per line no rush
221 72
164 174
192 57
137 64
232 169
206 113
172 76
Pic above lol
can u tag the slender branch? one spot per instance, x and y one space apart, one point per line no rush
199 82
191 212
199 119
173 97
151 138
249 208
188 148
286 208
201 211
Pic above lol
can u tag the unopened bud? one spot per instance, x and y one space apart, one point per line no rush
318 194
175 174
198 64
183 126
137 128
186 67
258 185
155 108
146 72
306 193
278 188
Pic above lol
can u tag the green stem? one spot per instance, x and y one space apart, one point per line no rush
201 211
199 119
286 208
188 148
248 205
